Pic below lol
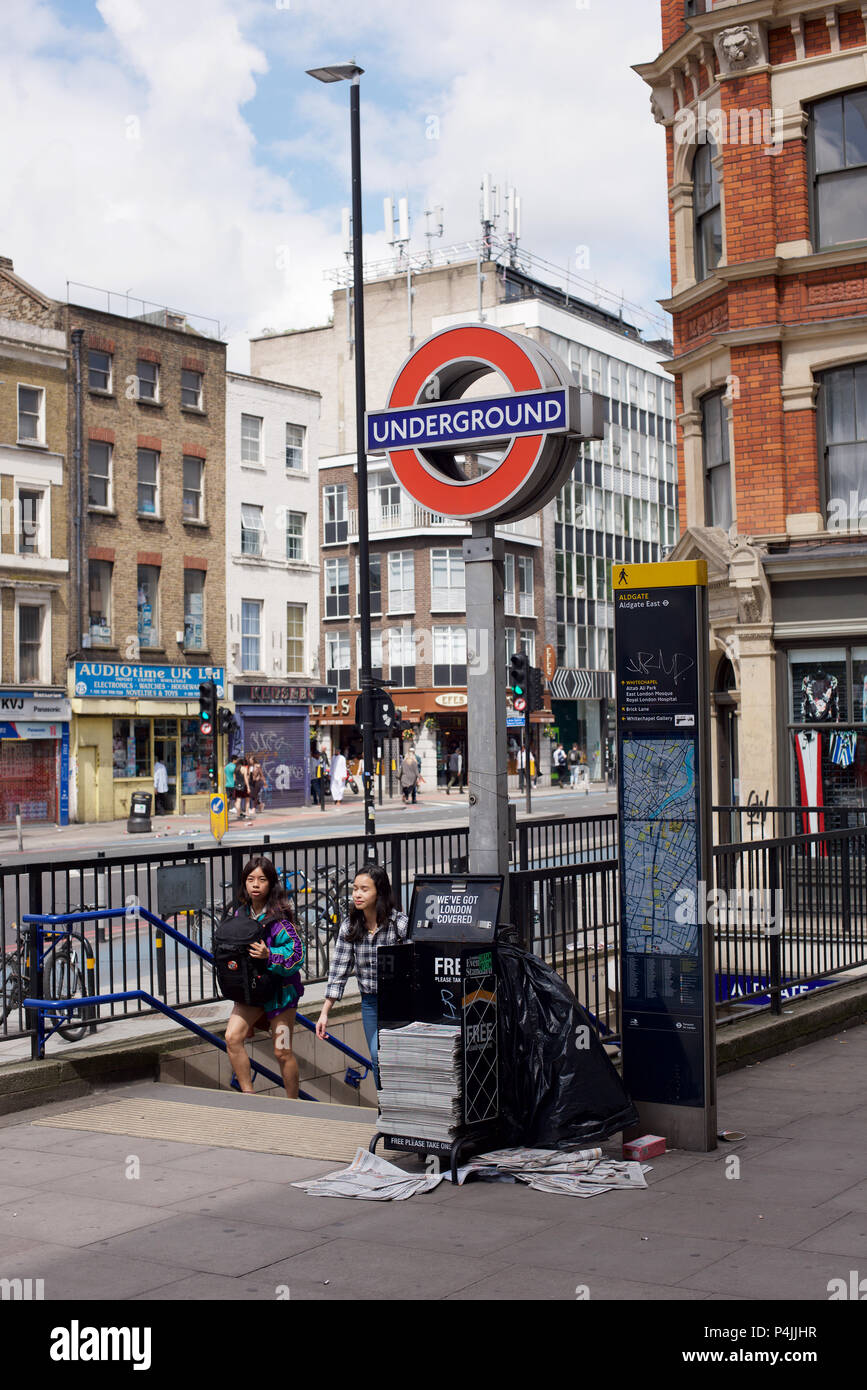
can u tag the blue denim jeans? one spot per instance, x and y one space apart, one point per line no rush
370 1025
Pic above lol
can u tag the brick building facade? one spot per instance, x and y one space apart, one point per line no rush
34 569
765 114
148 615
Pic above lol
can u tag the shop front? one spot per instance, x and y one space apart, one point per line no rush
582 712
127 718
34 756
274 725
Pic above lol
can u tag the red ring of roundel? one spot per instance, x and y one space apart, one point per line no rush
482 495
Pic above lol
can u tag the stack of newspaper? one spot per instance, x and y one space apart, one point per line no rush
371 1178
420 1081
574 1172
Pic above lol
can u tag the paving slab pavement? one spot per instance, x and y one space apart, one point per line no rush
773 1218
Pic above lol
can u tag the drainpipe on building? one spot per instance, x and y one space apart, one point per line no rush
78 505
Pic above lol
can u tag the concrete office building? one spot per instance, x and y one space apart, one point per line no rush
620 504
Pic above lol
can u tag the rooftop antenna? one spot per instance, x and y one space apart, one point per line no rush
437 215
513 222
397 229
346 232
490 211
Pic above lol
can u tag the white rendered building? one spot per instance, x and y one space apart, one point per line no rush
272 573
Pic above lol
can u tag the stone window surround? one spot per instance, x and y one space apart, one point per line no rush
793 87
809 351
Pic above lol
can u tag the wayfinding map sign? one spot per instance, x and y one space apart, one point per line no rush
664 828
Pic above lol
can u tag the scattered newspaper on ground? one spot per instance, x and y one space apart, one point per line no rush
371 1178
572 1172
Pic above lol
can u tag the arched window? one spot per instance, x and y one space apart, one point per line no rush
708 211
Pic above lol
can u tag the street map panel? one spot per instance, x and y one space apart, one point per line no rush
660 840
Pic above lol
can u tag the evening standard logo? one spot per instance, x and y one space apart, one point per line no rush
77 1343
480 965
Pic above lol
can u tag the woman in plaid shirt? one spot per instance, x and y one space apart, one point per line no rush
374 920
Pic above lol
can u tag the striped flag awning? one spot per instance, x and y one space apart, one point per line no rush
572 683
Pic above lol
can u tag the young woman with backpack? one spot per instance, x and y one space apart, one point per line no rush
374 920
278 952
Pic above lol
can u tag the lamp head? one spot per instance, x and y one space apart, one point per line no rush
336 72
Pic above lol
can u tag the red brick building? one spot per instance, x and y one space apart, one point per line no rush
764 105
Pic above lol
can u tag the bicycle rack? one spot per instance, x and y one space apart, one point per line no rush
353 1077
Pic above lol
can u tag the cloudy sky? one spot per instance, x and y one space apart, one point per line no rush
175 149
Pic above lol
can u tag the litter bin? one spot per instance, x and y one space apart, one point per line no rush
139 822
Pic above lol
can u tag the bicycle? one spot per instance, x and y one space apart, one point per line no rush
325 907
64 976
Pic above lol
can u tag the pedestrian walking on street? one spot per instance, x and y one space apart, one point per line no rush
409 773
257 785
560 763
229 777
374 920
338 778
261 894
161 787
456 762
242 787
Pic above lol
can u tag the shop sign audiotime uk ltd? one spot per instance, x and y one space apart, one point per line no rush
101 680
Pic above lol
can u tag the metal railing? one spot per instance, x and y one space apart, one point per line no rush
793 911
86 1006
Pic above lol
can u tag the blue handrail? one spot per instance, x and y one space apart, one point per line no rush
68 918
72 1004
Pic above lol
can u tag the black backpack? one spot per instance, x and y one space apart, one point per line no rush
239 976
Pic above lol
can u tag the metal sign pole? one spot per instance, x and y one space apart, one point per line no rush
525 736
486 698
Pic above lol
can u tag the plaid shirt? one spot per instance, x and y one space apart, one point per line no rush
362 955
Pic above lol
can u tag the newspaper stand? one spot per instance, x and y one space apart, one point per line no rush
445 973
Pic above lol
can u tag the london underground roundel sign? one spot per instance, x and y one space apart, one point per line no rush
536 428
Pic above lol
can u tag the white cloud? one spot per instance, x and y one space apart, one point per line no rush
134 163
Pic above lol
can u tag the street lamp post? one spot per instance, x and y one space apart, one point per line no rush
351 72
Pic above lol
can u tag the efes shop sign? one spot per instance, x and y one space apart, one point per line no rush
525 441
102 680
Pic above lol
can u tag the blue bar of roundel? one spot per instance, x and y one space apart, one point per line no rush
460 422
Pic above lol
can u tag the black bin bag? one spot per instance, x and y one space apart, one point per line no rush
555 1093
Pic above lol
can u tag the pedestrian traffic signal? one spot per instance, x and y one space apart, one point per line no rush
385 718
535 698
207 708
519 674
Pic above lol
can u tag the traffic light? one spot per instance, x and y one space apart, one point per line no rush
227 721
519 674
207 708
535 698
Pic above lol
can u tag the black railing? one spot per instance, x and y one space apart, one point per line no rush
793 910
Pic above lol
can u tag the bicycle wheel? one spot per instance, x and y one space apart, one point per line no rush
10 986
198 924
63 978
314 919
